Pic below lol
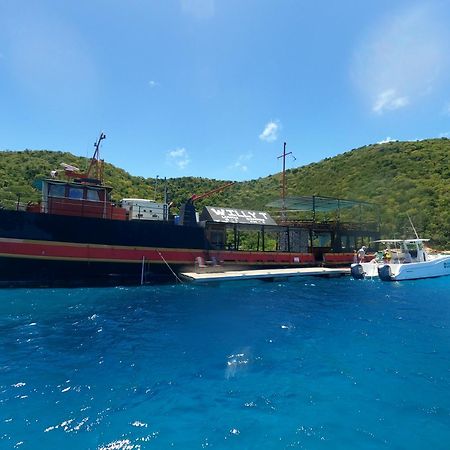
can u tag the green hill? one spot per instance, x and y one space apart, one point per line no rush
19 171
401 177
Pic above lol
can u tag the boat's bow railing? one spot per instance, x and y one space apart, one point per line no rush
15 201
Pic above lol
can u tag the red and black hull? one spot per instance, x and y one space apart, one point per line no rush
56 250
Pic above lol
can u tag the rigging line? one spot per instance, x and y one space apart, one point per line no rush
170 268
413 227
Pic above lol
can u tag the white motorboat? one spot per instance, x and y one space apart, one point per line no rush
403 259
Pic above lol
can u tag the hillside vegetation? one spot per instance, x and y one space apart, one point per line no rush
401 177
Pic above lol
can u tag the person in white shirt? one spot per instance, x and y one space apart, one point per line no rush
361 254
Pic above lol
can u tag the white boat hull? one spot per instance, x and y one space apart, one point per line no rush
437 266
403 259
365 270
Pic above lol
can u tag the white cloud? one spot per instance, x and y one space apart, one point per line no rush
241 162
270 132
200 9
153 83
404 58
389 100
387 140
179 158
446 134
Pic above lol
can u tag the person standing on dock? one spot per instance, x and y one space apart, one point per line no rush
361 254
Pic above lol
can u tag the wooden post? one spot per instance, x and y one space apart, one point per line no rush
142 270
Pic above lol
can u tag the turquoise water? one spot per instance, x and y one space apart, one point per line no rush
308 364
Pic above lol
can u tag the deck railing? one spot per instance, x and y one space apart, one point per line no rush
67 207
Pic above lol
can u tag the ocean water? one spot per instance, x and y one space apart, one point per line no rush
310 364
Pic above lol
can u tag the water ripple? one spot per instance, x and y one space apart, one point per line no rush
309 363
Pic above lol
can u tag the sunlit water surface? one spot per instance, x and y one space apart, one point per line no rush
313 363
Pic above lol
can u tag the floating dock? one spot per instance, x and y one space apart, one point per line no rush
264 274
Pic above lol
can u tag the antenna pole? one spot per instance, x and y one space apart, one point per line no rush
283 182
165 190
156 185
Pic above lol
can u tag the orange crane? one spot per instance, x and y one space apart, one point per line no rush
187 210
207 194
94 173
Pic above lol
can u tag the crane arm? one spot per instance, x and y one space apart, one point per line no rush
207 194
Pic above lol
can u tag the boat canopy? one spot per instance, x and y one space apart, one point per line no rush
397 241
315 203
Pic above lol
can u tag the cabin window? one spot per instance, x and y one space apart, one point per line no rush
75 192
93 195
56 190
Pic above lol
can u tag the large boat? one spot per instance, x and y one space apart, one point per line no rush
402 259
76 235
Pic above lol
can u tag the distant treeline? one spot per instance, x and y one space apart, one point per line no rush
403 178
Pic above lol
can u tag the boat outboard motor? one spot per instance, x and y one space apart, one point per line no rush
357 271
385 272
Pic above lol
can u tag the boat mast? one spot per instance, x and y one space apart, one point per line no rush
283 183
96 159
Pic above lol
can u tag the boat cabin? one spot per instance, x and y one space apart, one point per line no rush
242 229
82 199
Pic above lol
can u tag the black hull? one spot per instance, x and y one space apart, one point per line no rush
21 272
45 250
48 227
28 242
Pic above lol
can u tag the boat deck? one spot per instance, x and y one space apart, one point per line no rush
264 274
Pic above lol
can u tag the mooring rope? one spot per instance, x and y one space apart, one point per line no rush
170 268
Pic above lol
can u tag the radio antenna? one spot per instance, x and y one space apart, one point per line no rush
283 182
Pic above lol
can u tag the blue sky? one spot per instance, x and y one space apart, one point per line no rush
213 88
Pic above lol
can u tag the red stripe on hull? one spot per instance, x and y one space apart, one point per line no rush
72 251
338 258
86 252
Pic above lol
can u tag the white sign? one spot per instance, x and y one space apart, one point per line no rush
230 215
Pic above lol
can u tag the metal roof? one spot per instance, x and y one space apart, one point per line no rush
38 183
315 203
396 241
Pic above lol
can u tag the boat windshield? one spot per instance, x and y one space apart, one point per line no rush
414 245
